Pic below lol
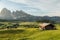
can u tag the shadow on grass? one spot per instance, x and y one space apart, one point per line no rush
25 39
11 31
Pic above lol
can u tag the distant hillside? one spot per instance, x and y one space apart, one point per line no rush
23 16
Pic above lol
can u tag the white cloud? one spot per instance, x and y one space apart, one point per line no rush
19 1
47 7
50 14
1 6
44 5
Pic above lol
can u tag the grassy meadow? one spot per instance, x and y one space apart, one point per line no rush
28 33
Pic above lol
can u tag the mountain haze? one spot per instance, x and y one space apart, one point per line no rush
23 16
15 15
5 14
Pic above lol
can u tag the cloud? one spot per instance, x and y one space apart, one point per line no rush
19 1
35 7
40 4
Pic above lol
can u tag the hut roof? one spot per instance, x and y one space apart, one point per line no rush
44 24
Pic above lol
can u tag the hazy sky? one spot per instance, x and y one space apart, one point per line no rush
34 7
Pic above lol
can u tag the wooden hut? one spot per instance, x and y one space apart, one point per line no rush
47 26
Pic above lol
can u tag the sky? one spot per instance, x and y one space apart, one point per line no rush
33 7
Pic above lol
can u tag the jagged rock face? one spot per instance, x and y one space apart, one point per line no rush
6 14
15 15
19 14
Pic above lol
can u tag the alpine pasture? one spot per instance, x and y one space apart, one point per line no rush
27 31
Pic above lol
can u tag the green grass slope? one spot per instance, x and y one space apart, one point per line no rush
29 34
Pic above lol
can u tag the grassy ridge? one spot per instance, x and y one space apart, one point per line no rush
29 34
25 33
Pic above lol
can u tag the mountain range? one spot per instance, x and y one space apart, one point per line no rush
23 16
